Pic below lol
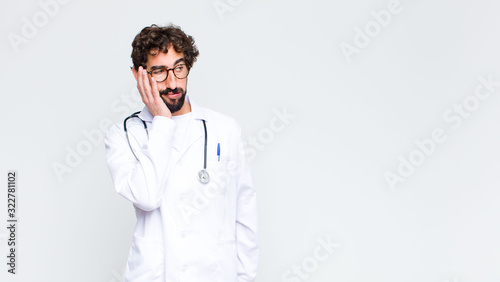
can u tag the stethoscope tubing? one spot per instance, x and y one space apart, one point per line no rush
136 114
205 153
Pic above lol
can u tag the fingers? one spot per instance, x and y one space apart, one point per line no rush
140 85
145 87
154 90
150 94
150 89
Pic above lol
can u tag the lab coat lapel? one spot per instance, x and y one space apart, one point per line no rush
194 133
196 130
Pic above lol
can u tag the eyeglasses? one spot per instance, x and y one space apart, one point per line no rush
180 71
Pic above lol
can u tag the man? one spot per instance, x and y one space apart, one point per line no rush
184 169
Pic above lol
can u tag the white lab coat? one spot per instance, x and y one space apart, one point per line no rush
186 230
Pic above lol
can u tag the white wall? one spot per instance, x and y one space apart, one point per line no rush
320 177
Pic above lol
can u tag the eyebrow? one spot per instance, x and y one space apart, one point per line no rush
163 66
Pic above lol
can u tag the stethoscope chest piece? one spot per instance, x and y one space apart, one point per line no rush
203 176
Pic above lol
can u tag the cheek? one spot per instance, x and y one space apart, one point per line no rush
182 84
161 86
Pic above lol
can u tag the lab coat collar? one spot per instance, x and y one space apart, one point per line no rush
198 112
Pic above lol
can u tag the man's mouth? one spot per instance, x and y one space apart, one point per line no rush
173 94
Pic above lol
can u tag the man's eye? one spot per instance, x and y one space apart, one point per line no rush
179 68
156 72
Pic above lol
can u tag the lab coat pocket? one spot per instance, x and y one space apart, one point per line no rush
220 176
145 262
227 260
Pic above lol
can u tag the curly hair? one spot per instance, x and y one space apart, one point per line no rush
154 38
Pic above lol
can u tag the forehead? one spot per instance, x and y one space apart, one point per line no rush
163 59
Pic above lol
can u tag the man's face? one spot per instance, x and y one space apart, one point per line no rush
172 90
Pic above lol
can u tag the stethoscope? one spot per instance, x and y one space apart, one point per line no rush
202 174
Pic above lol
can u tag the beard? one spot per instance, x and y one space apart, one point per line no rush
178 103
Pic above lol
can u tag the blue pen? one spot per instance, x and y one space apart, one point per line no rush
218 151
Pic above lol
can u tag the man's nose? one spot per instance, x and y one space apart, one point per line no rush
171 80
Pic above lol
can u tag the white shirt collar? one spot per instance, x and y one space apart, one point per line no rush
198 112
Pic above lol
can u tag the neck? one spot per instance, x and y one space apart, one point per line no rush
186 108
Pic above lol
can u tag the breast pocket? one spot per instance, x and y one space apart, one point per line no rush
220 175
145 262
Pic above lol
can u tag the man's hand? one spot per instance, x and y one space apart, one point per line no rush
149 93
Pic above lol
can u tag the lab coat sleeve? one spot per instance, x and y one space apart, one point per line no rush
246 220
141 182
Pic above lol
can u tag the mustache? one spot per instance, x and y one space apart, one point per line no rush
170 90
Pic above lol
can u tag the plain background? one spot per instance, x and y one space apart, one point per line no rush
320 176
